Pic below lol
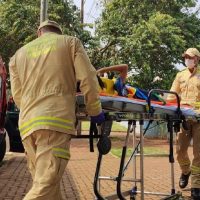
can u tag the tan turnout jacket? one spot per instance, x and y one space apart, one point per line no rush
187 85
43 77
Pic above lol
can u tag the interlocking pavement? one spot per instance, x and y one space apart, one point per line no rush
77 182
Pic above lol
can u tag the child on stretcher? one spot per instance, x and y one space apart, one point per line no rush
118 86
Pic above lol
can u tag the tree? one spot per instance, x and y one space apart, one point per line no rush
150 36
19 21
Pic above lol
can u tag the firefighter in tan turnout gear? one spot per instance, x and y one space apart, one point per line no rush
187 85
43 77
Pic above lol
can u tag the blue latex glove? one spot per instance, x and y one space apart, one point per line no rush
98 119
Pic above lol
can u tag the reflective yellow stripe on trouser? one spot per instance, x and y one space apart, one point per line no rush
195 169
45 120
61 153
184 163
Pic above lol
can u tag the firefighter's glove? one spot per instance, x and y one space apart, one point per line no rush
98 119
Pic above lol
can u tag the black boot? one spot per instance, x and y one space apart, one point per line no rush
195 193
184 180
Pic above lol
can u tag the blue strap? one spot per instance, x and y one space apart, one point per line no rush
119 86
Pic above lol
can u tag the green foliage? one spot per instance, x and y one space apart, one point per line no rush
150 151
149 36
19 21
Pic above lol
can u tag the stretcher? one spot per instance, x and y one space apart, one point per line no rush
132 110
131 105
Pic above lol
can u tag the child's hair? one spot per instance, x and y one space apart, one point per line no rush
111 75
101 84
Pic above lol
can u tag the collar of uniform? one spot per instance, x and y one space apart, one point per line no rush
196 70
48 33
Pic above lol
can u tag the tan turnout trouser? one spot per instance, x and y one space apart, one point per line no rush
47 155
183 141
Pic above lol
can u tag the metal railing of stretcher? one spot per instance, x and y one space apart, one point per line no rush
173 118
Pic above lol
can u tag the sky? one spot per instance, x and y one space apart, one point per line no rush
92 10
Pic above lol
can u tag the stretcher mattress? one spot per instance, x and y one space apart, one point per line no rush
123 104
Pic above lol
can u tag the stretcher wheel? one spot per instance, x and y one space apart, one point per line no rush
104 145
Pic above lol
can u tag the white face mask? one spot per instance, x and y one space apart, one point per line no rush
190 63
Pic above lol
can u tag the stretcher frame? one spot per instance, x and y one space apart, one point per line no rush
123 166
173 119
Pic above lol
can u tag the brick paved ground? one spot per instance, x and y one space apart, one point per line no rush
77 182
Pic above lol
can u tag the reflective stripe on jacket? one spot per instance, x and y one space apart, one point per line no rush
45 120
43 77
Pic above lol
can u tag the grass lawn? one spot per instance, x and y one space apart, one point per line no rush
115 127
147 151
